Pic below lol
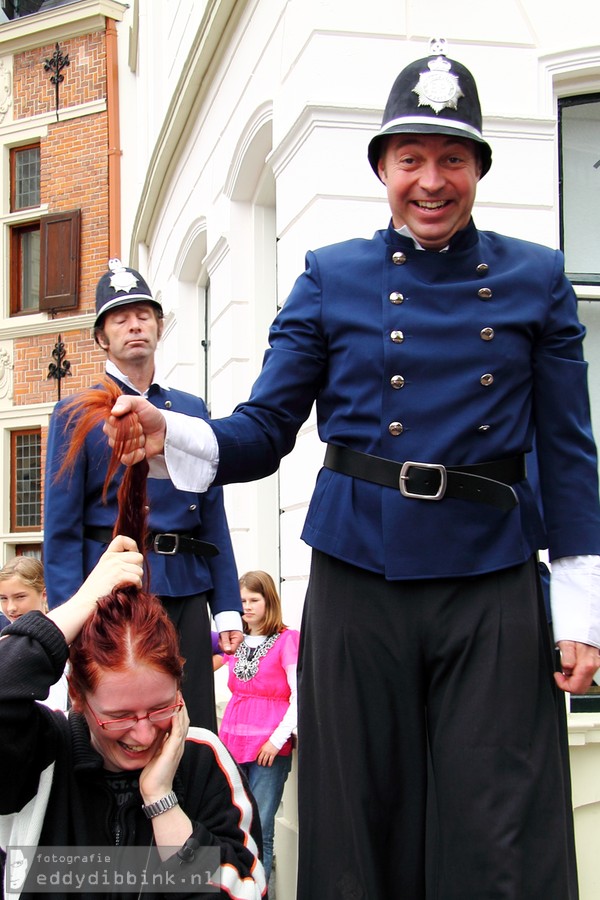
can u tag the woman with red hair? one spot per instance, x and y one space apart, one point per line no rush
123 769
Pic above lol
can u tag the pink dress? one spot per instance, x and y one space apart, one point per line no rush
259 703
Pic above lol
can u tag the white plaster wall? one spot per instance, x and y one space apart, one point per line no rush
314 75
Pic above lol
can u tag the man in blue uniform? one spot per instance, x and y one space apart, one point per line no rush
190 558
436 355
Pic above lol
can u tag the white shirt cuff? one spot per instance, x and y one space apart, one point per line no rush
575 599
228 620
191 452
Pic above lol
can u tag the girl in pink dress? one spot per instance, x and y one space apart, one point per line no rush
261 714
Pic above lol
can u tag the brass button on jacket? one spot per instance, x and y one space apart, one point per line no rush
397 336
395 428
398 258
397 381
487 379
487 334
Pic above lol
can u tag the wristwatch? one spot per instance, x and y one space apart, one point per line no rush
160 806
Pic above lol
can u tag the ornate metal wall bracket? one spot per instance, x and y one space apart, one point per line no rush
62 367
56 64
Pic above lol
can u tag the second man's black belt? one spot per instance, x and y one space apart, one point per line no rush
488 482
166 543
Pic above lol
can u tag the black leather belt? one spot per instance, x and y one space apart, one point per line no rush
165 544
488 482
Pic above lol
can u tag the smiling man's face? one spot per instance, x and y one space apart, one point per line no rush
431 180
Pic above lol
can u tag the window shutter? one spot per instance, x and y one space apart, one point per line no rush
59 260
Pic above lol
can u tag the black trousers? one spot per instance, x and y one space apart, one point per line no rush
190 617
432 740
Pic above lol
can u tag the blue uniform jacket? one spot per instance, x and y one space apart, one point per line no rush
488 347
76 501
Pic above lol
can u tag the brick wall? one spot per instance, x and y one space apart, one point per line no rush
34 355
74 175
84 79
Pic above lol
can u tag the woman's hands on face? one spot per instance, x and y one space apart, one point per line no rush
156 779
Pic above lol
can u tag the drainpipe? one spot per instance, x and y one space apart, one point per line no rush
114 140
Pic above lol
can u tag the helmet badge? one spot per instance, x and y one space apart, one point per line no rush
438 88
122 279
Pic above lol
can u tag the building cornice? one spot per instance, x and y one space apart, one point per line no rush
16 130
63 22
209 45
40 324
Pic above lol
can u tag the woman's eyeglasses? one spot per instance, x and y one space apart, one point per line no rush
157 715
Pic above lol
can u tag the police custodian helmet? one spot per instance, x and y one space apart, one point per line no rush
434 95
119 287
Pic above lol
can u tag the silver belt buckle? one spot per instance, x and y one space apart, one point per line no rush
172 552
404 477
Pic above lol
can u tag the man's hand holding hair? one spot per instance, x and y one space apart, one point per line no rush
148 438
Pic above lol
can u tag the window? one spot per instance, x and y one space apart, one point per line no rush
589 314
25 177
26 480
205 342
579 137
25 268
44 250
25 237
34 550
14 9
579 141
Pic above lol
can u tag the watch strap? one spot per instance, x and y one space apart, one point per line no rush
160 806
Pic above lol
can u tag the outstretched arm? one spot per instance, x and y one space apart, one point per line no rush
188 443
33 652
120 564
